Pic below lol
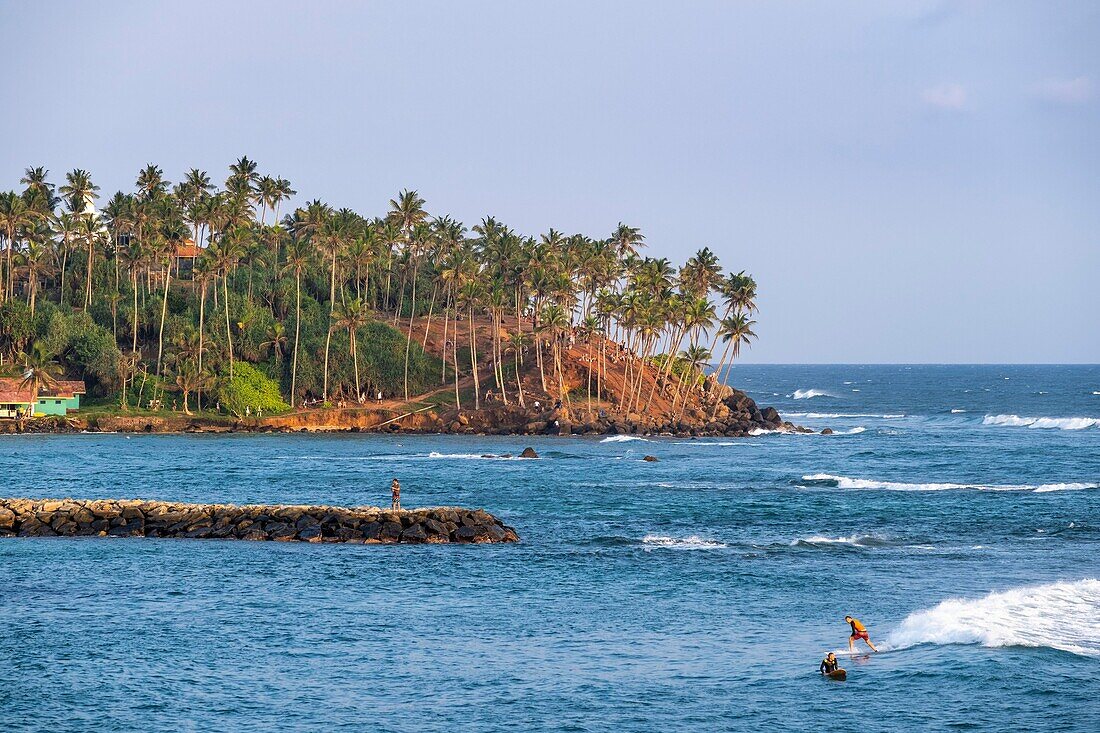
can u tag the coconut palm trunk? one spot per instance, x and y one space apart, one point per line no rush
331 310
297 333
473 361
163 314
228 332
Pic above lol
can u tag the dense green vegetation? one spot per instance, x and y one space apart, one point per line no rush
209 294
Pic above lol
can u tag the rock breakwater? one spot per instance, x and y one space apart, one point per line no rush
280 523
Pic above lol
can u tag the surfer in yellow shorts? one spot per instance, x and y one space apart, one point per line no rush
859 631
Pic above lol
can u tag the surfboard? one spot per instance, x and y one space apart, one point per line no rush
838 674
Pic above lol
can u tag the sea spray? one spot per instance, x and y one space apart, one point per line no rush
1063 616
805 394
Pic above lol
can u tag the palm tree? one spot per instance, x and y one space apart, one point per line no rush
469 298
276 341
556 321
15 215
693 360
352 316
330 242
407 211
35 258
627 240
127 365
298 256
188 378
89 231
133 255
735 331
150 183
698 317
227 251
39 370
517 341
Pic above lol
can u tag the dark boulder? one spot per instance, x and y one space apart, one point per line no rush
650 459
528 452
414 534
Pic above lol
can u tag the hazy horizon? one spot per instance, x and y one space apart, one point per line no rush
912 183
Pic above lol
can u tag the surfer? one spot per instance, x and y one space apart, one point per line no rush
859 631
829 664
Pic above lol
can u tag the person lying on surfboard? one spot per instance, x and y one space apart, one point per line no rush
829 664
859 631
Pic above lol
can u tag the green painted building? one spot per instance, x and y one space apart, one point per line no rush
18 400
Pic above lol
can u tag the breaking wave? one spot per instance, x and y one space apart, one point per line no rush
622 439
844 482
1061 423
472 456
805 394
1063 616
856 540
839 415
693 542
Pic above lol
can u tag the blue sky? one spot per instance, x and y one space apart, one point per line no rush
908 181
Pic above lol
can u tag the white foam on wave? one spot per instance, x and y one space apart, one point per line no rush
844 482
694 542
472 456
856 539
957 411
1048 423
1063 616
1096 391
842 415
805 394
622 439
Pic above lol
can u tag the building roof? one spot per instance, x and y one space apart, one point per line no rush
64 388
14 392
187 249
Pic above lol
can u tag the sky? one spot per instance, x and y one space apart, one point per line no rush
908 182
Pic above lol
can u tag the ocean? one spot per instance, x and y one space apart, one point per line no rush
955 511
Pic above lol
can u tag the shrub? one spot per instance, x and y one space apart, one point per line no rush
249 388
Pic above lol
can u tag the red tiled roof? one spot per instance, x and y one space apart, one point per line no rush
66 387
12 391
187 249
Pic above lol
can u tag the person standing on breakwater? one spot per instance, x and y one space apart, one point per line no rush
395 495
859 631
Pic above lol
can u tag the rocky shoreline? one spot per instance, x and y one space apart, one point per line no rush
279 523
738 416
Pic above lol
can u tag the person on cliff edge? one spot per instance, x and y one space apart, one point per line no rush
395 495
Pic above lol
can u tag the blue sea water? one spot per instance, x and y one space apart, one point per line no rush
956 511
